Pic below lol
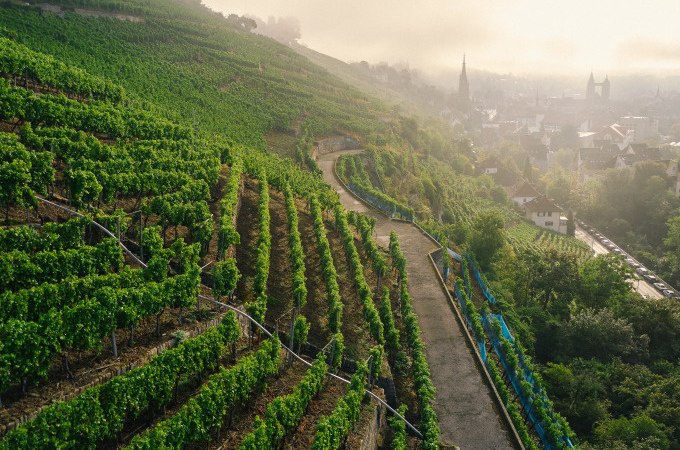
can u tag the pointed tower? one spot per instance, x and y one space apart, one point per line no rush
590 90
463 87
605 88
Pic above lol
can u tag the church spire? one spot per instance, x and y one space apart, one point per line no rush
590 89
463 86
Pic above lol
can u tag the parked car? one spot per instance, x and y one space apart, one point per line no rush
606 241
611 246
618 251
642 271
660 286
650 277
669 294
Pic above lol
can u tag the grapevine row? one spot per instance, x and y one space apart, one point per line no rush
27 347
258 308
353 173
365 226
283 413
296 251
30 304
52 236
332 430
205 412
421 372
100 412
334 300
17 60
227 234
303 152
399 430
531 388
392 335
370 312
19 270
115 122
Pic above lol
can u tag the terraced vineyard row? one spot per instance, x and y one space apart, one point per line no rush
527 236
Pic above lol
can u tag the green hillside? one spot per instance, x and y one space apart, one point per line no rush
195 68
191 138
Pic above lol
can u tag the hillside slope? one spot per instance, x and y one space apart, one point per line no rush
195 67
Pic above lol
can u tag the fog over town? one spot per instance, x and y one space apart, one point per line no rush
565 40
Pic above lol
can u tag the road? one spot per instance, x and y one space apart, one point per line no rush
641 286
463 402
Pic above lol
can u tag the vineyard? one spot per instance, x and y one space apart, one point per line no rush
524 235
466 198
128 242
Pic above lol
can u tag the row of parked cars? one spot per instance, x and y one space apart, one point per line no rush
639 268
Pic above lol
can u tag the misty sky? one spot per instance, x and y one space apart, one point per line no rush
569 37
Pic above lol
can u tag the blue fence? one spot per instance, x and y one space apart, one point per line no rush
537 394
481 345
480 281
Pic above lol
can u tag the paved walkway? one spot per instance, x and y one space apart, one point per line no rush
467 413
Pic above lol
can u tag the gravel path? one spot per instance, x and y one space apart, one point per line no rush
467 413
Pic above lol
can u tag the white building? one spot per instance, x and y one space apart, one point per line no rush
546 214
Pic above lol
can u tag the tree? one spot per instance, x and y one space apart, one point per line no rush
563 158
576 395
528 171
604 279
672 243
554 280
558 186
637 433
488 237
567 137
599 334
571 225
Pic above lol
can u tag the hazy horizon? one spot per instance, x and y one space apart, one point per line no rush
528 37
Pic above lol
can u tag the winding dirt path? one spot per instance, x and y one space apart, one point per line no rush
467 413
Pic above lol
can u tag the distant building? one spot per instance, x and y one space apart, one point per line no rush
592 94
586 139
524 194
612 134
546 214
643 128
634 153
489 166
591 162
492 167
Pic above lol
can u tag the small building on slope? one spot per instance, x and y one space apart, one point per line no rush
546 214
524 194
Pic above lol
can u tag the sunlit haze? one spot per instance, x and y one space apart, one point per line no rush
522 37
